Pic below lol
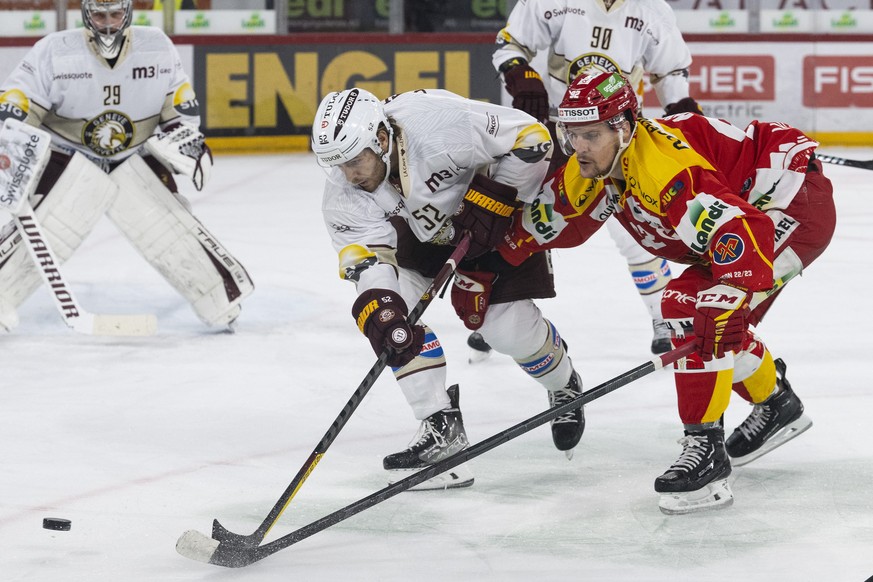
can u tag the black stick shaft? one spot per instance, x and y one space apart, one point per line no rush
255 538
237 556
836 160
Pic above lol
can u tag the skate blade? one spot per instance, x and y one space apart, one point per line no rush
569 454
779 438
477 356
460 476
715 495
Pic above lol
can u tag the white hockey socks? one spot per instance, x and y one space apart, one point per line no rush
175 243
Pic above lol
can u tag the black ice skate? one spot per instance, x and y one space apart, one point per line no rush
660 337
440 435
698 479
567 429
772 423
479 348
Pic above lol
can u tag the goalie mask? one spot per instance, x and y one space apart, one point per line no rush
595 98
107 20
346 123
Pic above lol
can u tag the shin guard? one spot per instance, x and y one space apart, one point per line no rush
175 243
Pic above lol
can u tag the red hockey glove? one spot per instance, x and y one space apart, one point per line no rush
486 212
381 316
687 105
527 90
721 321
471 295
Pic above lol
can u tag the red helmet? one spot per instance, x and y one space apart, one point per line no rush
600 96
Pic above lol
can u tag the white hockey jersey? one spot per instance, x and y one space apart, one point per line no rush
633 37
442 141
104 112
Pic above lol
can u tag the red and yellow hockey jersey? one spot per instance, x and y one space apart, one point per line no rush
694 190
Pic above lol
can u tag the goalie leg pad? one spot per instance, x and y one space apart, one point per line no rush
174 242
68 213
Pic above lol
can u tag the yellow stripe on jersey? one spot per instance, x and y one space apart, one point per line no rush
353 259
656 156
755 243
532 143
580 192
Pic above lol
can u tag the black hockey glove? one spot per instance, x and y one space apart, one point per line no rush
486 212
527 90
381 316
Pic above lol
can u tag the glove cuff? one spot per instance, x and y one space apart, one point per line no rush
387 305
514 62
722 297
494 196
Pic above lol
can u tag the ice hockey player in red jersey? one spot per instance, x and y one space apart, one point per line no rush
745 209
631 37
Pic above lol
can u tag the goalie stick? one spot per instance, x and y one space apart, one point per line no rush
864 165
24 153
227 537
197 546
74 316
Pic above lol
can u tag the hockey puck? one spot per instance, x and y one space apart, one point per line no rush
56 523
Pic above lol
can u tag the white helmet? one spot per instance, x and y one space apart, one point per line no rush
107 38
346 123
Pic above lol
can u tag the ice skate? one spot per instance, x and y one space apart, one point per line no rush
567 429
771 424
697 481
479 348
660 337
440 435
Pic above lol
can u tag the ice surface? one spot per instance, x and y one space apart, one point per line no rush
139 440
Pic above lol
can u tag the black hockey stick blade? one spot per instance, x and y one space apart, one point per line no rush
229 538
197 546
865 165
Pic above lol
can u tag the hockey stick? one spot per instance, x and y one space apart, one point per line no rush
864 165
74 316
228 538
197 546
24 153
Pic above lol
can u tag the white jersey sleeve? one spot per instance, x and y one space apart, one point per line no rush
633 37
360 230
104 112
444 140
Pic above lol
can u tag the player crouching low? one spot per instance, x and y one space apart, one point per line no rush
746 210
123 120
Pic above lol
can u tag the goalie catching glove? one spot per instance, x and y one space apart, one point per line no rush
486 212
182 147
381 316
721 322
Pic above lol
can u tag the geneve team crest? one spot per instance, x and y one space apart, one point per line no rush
108 134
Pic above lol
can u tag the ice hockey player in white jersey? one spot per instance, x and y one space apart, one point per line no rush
405 179
123 119
630 36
